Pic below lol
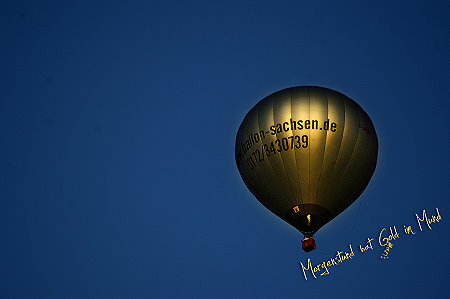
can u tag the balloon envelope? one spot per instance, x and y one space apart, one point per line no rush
306 153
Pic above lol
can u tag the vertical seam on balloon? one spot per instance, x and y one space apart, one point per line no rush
339 151
248 179
259 129
323 156
356 141
309 148
295 159
353 147
353 151
281 155
270 163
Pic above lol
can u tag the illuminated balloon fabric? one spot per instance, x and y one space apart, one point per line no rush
306 153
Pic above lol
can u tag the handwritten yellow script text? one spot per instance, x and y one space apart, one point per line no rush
427 220
340 257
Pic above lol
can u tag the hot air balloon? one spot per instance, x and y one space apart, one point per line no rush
306 153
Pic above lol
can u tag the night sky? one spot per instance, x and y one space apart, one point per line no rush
118 123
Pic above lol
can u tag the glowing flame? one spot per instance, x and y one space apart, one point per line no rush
309 219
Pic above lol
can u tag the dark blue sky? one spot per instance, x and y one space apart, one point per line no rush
118 123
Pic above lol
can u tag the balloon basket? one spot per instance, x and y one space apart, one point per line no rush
308 244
